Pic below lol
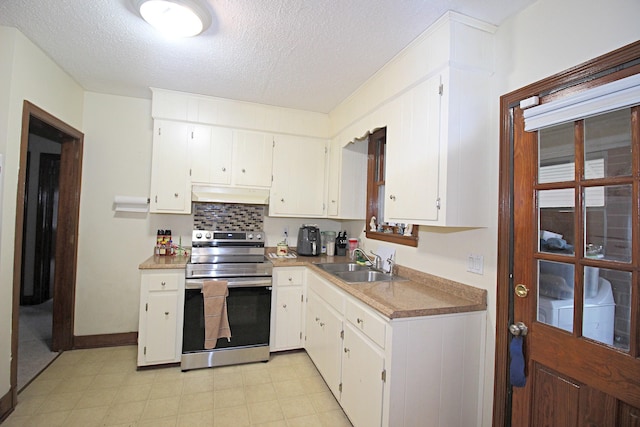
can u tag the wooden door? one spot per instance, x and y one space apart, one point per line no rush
575 258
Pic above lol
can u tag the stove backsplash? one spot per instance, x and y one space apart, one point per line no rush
228 217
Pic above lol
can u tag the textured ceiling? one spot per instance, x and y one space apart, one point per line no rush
304 54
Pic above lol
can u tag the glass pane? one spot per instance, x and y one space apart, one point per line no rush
607 306
607 144
556 154
555 294
380 208
556 214
608 222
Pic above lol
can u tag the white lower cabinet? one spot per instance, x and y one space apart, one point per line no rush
323 340
424 371
161 317
287 308
362 378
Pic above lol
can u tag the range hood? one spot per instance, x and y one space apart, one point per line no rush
217 194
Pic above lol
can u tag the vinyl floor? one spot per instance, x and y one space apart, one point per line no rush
101 387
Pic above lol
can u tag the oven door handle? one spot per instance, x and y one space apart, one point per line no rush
231 283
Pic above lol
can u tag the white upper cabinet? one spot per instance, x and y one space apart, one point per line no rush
413 149
298 187
252 159
210 150
170 185
347 179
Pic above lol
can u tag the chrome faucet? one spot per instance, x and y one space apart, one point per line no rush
376 262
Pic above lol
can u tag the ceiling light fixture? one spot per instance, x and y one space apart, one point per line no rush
174 18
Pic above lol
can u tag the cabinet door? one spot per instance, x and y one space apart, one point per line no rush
161 327
298 176
252 159
362 383
324 343
221 152
413 155
170 186
333 180
288 324
200 153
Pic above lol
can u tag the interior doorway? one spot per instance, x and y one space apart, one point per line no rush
46 234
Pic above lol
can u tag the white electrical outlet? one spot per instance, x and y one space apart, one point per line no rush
475 263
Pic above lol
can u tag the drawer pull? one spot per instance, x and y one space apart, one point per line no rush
166 313
360 321
163 283
284 305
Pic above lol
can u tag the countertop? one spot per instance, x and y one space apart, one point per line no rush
422 295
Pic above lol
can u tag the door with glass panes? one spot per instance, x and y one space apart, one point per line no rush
576 266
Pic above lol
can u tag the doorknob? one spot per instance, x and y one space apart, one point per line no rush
518 329
521 290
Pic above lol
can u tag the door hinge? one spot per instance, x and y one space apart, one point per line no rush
300 335
301 297
145 350
191 134
273 143
438 203
342 334
159 131
384 375
340 387
441 89
146 307
190 172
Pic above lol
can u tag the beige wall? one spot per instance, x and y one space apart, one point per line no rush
26 73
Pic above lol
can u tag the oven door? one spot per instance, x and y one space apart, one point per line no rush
248 310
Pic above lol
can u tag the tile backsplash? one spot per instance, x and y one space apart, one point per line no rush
228 217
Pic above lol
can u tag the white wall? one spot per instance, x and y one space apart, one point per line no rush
25 73
546 38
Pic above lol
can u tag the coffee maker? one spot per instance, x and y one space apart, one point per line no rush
309 243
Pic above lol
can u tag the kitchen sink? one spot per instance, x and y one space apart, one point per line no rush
351 272
342 267
364 276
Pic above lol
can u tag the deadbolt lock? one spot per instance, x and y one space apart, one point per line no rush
521 290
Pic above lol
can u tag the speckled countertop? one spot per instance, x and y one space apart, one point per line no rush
422 295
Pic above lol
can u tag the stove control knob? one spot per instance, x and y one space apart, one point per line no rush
249 236
207 236
259 236
198 235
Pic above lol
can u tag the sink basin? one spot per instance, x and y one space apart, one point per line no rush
342 267
365 276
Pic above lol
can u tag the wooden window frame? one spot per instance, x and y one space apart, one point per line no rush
376 168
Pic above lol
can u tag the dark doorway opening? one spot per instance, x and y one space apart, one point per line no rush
46 233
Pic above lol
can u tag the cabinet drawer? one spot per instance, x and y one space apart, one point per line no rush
289 276
366 321
327 291
163 282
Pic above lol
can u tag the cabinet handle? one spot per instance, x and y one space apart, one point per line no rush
224 169
163 283
360 321
392 197
166 313
317 318
284 305
291 279
333 201
321 324
346 350
282 200
175 194
243 170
